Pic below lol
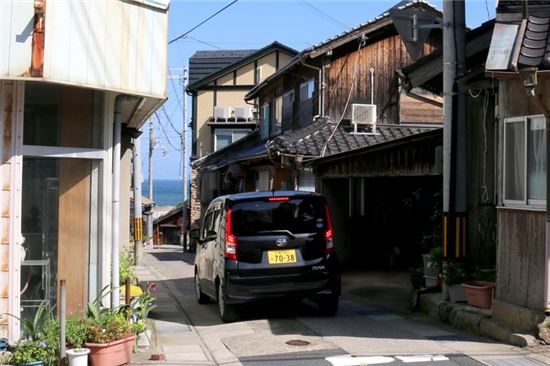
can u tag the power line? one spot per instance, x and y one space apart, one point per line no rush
201 23
204 42
325 15
165 134
169 120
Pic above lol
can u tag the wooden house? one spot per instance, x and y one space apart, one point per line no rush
218 82
518 65
306 110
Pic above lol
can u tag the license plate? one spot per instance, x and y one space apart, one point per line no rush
281 256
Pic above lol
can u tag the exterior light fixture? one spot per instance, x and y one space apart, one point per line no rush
528 76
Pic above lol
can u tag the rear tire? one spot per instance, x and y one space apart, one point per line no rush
329 305
228 313
201 297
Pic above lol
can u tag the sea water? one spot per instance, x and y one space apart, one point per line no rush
167 192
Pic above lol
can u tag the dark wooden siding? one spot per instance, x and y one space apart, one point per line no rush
413 159
520 258
384 55
481 146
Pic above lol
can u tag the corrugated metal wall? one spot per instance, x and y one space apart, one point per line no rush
107 44
16 25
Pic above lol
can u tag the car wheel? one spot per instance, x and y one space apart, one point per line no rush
227 312
201 297
329 305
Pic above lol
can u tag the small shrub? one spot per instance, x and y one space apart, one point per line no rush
30 351
127 267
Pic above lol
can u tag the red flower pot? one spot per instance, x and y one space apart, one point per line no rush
114 353
479 293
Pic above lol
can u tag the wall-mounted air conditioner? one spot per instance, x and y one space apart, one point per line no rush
222 113
243 112
363 114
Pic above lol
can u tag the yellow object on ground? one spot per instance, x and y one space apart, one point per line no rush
134 290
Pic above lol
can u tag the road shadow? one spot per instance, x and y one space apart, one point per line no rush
173 255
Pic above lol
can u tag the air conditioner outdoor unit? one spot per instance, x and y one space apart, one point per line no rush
362 114
244 112
222 113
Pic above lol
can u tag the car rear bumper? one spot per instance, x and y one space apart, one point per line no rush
248 289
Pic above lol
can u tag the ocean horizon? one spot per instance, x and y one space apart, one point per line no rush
166 192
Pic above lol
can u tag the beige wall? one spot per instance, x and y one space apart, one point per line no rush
230 98
245 75
268 65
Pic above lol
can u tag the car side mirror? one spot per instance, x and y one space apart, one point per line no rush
211 235
194 234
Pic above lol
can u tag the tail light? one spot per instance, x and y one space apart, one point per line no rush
230 239
328 232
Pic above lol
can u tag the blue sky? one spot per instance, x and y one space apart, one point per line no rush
251 24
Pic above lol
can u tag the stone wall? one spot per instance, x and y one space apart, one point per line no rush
195 203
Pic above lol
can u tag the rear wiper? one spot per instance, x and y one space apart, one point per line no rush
277 232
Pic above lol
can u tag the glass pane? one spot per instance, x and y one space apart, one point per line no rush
514 161
536 158
239 134
56 225
223 138
298 215
58 116
265 121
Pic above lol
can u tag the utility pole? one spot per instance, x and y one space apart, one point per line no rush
138 220
454 131
184 173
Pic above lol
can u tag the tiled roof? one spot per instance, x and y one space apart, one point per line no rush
253 55
400 5
516 5
204 63
309 141
535 47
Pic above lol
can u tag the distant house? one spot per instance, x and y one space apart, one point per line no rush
167 228
74 89
307 140
218 82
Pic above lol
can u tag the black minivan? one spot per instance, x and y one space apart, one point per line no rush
263 245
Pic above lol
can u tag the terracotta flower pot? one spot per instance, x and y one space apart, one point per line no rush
479 293
114 353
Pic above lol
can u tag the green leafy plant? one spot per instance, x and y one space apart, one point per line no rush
6 358
50 336
32 329
455 273
127 267
107 327
76 329
29 350
436 257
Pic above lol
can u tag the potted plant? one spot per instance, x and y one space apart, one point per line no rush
76 330
479 293
30 353
109 336
432 267
454 274
140 308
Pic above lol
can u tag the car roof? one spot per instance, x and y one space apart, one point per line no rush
259 195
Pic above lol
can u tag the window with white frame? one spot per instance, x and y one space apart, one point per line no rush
524 161
266 114
225 136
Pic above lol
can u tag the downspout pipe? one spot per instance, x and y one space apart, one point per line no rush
115 233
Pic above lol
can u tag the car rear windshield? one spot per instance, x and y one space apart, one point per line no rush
297 215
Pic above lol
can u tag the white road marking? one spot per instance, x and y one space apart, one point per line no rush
349 360
423 358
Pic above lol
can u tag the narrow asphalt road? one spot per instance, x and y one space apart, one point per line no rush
288 333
